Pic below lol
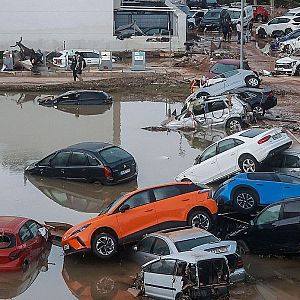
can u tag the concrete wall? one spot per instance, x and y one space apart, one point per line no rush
81 24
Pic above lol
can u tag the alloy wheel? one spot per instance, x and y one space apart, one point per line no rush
105 285
245 201
248 165
253 82
200 221
234 125
105 245
258 110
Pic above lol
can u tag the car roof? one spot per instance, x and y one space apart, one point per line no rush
181 233
250 89
91 146
80 91
11 224
193 256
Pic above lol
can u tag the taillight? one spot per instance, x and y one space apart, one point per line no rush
107 172
264 139
14 255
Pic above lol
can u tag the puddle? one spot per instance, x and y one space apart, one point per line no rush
30 132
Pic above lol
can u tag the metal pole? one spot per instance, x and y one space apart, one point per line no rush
242 36
170 48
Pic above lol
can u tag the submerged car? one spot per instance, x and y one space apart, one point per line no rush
226 111
242 151
143 211
289 65
187 275
88 97
90 161
274 231
22 241
182 239
247 191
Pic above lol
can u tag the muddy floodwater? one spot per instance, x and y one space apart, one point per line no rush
29 132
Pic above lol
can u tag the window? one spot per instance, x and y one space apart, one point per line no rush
238 142
92 161
288 179
166 192
138 199
220 68
24 234
78 159
90 55
72 96
283 20
145 244
163 266
226 145
34 227
251 133
230 73
291 161
7 241
273 22
60 159
296 20
217 105
269 216
209 153
161 247
114 154
187 245
291 210
46 161
261 176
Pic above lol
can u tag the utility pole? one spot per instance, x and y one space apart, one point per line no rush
242 36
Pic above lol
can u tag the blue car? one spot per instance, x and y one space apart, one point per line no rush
246 191
293 35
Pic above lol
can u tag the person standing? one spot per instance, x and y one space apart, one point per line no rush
80 64
73 67
238 30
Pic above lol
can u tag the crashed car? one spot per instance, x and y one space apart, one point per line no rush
289 65
227 111
242 151
188 275
182 239
274 231
88 97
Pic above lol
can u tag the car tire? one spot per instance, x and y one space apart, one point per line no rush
202 94
186 180
287 31
252 81
181 296
297 72
234 124
258 110
242 248
104 245
200 219
191 26
245 201
248 163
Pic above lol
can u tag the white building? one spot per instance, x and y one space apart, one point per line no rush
90 24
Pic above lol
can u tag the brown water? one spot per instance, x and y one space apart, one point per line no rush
29 132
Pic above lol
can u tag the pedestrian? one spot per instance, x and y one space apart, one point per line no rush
80 65
230 29
238 30
225 30
73 67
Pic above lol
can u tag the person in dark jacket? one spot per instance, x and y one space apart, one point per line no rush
77 65
73 67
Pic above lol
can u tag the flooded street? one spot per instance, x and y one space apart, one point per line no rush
29 132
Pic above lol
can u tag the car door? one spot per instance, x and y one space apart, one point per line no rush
215 112
290 185
139 218
159 279
143 250
28 243
38 242
43 167
291 165
227 156
272 26
78 166
59 164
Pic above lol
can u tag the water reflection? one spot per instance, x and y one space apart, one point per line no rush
91 278
82 197
84 110
13 284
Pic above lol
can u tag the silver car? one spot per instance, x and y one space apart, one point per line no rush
184 239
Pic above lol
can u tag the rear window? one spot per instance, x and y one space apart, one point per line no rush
7 241
220 68
261 176
251 133
212 15
187 245
114 154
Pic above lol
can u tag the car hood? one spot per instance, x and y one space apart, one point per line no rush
285 60
223 247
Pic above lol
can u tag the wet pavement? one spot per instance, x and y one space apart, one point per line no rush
30 132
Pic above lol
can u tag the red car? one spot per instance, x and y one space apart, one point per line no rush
22 241
260 14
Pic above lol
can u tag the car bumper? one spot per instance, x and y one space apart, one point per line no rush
114 181
283 70
74 245
270 103
238 275
279 149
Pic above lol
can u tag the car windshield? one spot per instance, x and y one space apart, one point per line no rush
111 206
290 14
296 53
220 68
7 241
234 14
212 15
187 245
114 154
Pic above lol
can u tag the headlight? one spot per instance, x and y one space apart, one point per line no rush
80 229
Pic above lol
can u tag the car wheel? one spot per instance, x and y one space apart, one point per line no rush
200 219
181 296
245 201
242 248
258 110
202 94
297 72
259 18
186 180
287 31
234 124
248 163
104 245
191 26
252 81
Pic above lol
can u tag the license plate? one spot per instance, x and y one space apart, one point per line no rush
277 136
125 172
66 247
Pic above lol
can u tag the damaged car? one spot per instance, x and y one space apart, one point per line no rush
289 65
243 151
188 275
182 239
227 111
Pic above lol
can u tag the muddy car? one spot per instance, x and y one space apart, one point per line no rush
188 275
225 111
289 65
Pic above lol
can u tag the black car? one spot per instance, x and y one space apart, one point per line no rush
202 3
274 231
88 161
88 97
260 100
214 18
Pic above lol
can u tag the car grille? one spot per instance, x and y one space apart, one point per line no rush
283 66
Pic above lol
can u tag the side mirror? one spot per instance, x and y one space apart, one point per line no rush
43 232
123 208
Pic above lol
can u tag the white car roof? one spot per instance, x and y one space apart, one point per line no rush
193 256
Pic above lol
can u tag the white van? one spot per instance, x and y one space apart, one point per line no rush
235 14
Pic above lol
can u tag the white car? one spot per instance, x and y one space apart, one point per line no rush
244 151
279 26
235 14
293 12
290 45
289 65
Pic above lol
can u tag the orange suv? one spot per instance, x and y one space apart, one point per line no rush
143 211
